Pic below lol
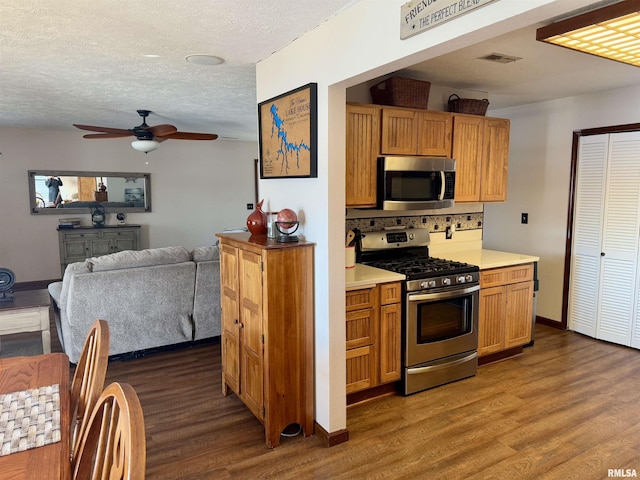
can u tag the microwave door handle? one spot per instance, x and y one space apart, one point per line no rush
442 183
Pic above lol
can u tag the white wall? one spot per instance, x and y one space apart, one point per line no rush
539 169
197 188
360 44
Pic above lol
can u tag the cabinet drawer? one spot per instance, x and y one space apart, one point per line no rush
390 293
80 235
360 328
506 275
119 234
360 299
361 372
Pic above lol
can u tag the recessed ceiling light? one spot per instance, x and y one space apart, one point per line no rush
202 59
152 55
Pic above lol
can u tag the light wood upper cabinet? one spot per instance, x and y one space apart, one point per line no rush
481 150
495 160
408 131
362 150
467 147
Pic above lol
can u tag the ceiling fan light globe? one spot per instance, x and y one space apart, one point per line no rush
145 146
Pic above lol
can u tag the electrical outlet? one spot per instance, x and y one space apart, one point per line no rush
249 206
525 218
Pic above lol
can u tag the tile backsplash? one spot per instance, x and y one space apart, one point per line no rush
434 223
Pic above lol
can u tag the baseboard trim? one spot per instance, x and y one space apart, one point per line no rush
498 356
35 285
371 393
331 439
550 323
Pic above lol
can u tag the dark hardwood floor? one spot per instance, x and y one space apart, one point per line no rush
568 408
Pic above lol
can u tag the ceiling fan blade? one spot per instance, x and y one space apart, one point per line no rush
164 129
190 136
106 135
122 132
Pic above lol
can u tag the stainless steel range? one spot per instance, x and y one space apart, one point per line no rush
440 311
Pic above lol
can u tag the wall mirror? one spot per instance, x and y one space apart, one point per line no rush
68 192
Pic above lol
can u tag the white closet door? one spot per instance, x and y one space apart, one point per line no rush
620 240
587 233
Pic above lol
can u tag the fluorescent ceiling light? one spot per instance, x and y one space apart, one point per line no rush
145 146
611 32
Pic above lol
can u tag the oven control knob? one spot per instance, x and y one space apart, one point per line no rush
446 281
428 284
461 279
469 278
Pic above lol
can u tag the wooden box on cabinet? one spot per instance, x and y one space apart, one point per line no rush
267 329
78 244
506 308
373 316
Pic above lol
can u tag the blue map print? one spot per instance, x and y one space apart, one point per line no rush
285 148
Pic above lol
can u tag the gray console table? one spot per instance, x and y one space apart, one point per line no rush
77 244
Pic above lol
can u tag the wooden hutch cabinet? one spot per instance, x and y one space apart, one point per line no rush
267 329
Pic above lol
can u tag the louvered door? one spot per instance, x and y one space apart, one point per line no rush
604 276
587 234
620 240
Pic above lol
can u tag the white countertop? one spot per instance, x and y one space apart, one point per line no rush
490 258
364 275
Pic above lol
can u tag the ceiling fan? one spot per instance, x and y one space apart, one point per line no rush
148 138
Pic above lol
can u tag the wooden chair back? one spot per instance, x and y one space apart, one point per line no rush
114 445
88 380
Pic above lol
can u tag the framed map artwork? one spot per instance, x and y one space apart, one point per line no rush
288 133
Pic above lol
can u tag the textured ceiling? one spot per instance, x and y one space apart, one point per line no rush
64 62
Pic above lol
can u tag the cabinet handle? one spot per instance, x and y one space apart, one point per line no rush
602 254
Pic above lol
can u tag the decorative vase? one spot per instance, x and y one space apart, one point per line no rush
257 221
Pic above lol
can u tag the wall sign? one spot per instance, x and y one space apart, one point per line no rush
420 15
288 134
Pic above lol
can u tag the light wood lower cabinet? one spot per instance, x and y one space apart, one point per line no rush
267 329
373 336
506 308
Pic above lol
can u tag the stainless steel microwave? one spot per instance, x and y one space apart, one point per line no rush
416 183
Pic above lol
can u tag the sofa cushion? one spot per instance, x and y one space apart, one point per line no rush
138 258
205 254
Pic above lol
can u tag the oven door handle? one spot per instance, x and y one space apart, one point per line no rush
433 368
412 297
442 185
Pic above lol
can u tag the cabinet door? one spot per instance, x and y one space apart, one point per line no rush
434 133
361 368
230 318
491 320
122 239
363 143
99 247
467 150
399 131
519 314
251 331
389 341
495 160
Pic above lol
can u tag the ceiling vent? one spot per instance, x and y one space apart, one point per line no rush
500 58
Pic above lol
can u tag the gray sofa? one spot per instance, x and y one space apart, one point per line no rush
150 298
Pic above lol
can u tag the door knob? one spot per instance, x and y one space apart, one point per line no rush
602 254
